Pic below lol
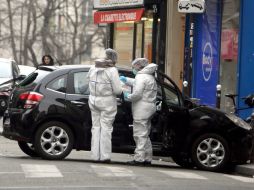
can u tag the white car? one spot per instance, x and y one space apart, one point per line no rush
26 70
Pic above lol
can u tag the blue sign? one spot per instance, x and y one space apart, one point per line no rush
207 53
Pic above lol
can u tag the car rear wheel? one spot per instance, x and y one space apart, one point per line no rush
54 140
210 152
27 148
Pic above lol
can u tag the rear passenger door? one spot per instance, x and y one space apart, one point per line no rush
77 107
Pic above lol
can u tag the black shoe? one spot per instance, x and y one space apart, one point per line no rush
107 161
136 163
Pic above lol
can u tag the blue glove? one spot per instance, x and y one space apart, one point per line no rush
126 94
123 79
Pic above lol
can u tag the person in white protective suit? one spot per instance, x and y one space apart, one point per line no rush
143 100
104 86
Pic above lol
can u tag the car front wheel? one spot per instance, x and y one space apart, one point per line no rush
54 140
210 152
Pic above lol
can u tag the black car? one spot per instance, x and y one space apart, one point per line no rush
48 115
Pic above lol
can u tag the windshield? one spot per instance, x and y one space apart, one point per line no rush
34 78
5 71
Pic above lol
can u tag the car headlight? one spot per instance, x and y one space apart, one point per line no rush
239 122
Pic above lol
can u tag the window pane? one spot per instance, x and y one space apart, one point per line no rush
123 42
81 83
58 84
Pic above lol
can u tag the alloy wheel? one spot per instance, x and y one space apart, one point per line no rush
210 152
54 140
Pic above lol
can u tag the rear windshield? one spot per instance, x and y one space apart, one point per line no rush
34 78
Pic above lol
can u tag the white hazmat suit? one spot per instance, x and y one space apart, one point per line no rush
104 85
143 101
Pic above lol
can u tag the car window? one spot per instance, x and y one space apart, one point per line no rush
58 84
81 83
34 78
171 97
6 70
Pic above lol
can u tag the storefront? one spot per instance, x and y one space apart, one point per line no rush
223 52
137 28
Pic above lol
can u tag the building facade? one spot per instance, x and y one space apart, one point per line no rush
222 52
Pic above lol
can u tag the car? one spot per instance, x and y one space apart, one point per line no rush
184 7
9 75
197 5
48 115
26 70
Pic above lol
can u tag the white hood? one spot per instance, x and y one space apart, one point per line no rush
149 69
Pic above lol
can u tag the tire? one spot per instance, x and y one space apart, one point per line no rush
210 152
28 148
183 162
54 140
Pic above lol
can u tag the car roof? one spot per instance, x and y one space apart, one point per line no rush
68 67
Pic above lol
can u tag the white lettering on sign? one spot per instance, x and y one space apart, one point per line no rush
118 17
116 3
207 61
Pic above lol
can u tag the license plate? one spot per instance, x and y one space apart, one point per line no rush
7 121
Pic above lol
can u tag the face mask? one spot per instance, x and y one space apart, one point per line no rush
134 71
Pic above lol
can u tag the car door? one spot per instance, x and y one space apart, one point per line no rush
77 107
122 137
78 110
174 115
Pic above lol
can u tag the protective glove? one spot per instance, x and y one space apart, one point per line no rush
126 95
123 79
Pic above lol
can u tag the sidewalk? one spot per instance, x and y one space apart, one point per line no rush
246 169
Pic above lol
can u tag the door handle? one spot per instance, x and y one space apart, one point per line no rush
78 103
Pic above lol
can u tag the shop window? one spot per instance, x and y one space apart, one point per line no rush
229 52
123 42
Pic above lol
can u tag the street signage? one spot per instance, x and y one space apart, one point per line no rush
106 4
191 6
118 15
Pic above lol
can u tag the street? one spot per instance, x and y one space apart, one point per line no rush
77 171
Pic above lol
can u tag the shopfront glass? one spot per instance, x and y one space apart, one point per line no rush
229 52
123 42
125 34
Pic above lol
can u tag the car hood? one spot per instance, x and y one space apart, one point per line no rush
212 116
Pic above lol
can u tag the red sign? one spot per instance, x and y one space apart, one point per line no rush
118 16
229 44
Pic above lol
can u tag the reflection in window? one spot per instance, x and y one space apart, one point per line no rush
123 42
81 85
58 84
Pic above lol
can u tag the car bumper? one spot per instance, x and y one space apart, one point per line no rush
12 128
242 148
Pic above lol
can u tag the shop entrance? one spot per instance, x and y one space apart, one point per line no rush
136 39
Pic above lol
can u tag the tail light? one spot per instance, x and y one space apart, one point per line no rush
31 99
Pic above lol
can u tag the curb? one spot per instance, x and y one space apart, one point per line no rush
246 170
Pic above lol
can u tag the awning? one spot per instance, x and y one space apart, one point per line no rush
118 16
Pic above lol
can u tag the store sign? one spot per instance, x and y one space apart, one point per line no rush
118 16
102 4
229 44
207 61
207 54
191 6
